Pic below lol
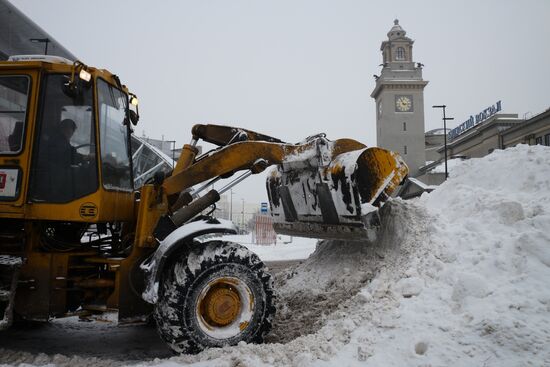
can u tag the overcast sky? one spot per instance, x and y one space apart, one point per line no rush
294 68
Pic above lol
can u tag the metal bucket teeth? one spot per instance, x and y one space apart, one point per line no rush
334 196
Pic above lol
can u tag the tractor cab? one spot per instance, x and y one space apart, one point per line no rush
64 141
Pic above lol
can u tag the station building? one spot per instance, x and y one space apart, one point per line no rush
535 130
434 139
19 35
482 139
498 131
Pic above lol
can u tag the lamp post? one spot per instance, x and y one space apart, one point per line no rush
231 205
173 143
242 216
445 119
41 40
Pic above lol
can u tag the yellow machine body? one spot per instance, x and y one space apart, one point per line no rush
48 275
102 205
75 232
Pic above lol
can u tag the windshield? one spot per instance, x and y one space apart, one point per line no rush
115 159
13 110
64 167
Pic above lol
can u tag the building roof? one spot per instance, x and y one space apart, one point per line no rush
526 123
439 131
503 120
396 31
16 31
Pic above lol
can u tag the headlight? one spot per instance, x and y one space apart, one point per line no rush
84 75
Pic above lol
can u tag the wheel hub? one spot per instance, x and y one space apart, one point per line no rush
221 305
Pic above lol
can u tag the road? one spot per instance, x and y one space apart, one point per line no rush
275 267
102 339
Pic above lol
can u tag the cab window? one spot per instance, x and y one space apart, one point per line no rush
64 162
14 92
115 152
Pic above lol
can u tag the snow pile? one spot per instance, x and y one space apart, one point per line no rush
452 163
476 292
331 278
461 280
458 277
497 261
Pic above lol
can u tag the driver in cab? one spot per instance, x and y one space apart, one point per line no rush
63 153
66 169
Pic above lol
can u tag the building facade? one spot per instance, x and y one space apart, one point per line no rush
399 96
19 35
434 139
499 131
482 139
535 130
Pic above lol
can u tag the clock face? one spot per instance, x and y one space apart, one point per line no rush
403 103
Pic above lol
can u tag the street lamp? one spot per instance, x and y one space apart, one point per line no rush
231 205
41 40
173 142
242 218
445 119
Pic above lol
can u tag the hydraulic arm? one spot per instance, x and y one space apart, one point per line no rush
319 188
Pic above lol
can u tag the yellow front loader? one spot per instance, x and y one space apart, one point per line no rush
78 239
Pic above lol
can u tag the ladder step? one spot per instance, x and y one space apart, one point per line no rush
4 295
9 276
10 261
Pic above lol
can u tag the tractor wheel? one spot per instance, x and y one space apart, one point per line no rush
215 294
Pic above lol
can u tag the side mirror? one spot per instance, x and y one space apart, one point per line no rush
134 117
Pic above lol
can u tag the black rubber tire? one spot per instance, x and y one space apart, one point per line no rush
185 277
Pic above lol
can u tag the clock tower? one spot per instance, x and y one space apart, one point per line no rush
399 96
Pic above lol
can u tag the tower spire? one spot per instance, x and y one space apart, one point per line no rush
396 31
399 96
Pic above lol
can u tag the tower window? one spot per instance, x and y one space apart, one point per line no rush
404 126
405 149
400 55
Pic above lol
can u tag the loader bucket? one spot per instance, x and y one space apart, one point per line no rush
334 197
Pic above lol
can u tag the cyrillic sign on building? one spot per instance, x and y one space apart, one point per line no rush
479 118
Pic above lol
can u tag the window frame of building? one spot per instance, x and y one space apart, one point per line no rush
547 140
405 150
404 126
400 54
538 140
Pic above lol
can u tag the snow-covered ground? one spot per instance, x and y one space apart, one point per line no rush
286 248
458 277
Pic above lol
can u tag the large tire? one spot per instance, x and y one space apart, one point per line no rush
212 295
